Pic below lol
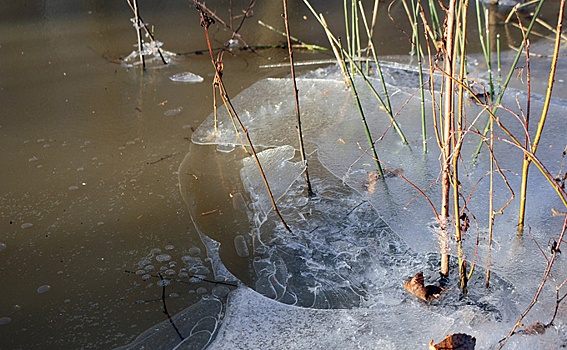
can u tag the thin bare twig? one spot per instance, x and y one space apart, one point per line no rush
295 92
543 280
140 22
201 6
206 21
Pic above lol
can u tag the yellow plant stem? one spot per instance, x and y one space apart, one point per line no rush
448 116
490 204
527 160
514 141
457 148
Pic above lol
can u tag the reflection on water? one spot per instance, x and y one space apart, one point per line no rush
90 207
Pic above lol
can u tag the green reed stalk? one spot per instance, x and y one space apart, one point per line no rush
302 43
333 42
416 6
543 116
374 16
355 30
485 44
365 124
489 61
435 19
499 63
378 68
412 25
345 2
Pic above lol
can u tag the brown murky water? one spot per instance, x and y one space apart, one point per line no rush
90 151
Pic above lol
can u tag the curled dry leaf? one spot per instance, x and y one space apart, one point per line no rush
534 329
416 286
455 341
374 176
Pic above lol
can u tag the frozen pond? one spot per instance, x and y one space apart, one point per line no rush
115 196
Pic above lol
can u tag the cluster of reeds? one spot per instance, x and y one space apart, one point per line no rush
443 36
439 39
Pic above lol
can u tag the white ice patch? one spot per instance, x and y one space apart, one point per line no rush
186 77
255 322
331 120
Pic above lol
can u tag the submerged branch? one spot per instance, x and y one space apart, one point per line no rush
167 312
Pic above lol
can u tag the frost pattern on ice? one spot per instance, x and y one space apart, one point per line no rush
279 172
197 324
331 121
254 322
352 248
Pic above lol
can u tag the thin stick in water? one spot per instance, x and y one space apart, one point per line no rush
295 92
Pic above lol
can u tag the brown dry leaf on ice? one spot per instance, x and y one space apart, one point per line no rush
416 286
457 341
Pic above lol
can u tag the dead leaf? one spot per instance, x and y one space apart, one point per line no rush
534 329
416 286
374 176
455 341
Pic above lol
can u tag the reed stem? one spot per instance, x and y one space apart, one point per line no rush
206 21
295 92
543 116
333 41
457 145
365 124
138 26
416 9
448 116
300 42
148 33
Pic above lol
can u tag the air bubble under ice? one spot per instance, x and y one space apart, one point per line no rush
163 257
44 289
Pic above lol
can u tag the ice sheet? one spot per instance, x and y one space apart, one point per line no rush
344 253
331 121
197 324
280 174
254 322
